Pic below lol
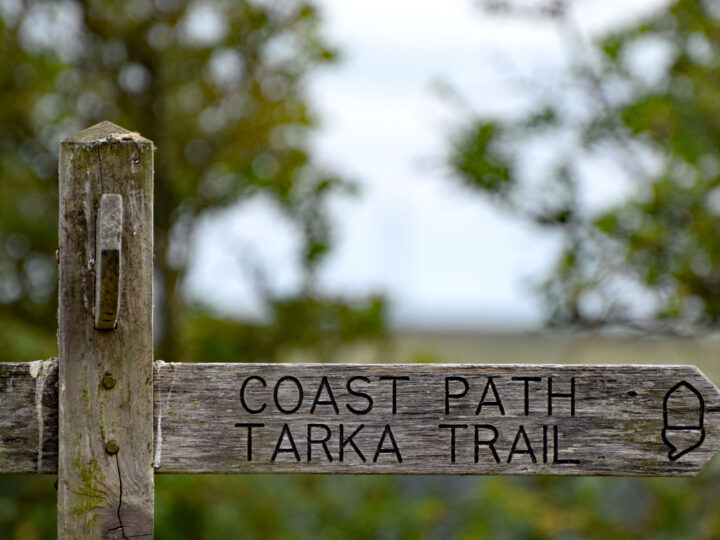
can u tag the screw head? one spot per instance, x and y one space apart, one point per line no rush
112 446
108 381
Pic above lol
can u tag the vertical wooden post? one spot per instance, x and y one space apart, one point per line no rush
105 471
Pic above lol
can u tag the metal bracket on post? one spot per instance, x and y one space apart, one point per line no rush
108 261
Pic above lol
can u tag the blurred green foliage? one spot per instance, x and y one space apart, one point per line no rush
424 507
320 325
652 262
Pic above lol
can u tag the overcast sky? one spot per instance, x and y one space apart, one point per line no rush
443 256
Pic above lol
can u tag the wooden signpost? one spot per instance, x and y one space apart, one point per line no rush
106 418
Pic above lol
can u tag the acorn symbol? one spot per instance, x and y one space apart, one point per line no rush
683 411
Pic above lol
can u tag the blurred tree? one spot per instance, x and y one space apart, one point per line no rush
647 99
219 87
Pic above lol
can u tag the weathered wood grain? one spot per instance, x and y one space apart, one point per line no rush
105 476
613 426
617 428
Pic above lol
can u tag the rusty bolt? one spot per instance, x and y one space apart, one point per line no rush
112 446
108 381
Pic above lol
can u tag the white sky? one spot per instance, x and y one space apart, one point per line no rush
443 256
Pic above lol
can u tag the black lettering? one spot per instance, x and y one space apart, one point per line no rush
394 380
344 442
359 394
527 381
489 443
556 451
242 394
326 385
278 447
552 395
277 391
528 446
545 444
448 395
249 437
452 428
323 441
490 385
394 450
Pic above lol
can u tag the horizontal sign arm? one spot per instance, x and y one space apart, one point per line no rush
396 419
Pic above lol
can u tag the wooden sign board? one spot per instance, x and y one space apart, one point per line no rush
435 419
398 419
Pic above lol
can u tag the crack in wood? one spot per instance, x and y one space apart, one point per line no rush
120 496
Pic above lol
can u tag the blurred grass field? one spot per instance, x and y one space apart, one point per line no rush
510 348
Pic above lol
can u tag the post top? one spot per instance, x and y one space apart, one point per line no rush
105 132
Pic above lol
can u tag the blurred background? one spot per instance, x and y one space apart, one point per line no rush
490 181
